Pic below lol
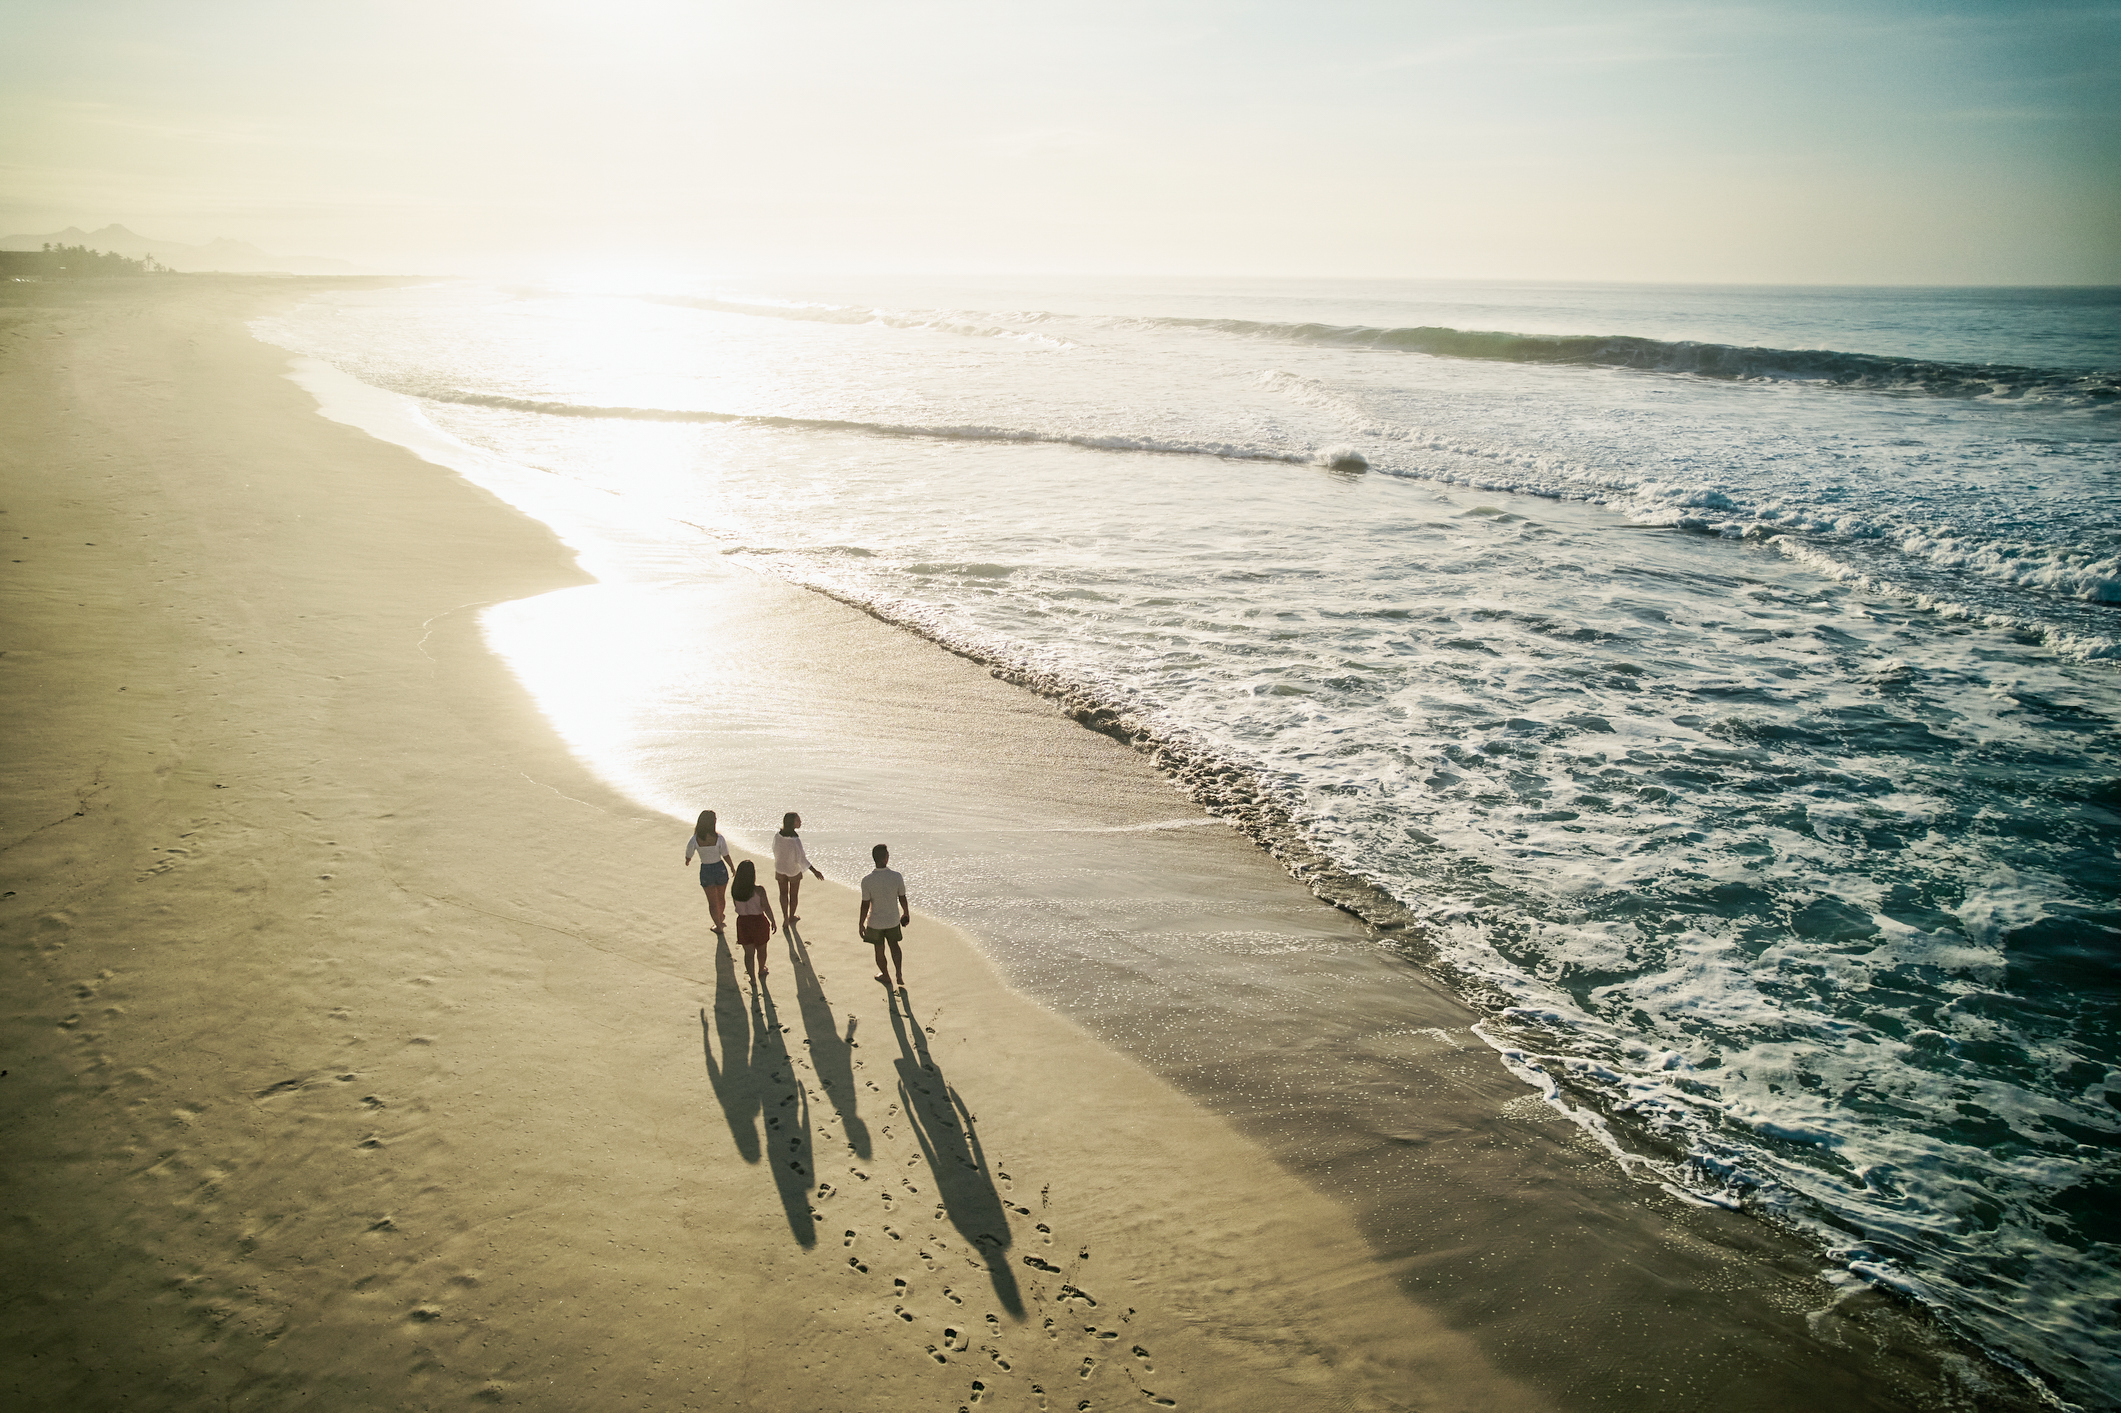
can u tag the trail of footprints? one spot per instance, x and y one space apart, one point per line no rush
1069 1353
1047 1344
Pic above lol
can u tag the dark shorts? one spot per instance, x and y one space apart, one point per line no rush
753 930
876 936
713 875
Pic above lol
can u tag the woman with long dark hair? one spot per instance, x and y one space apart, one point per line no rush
713 850
754 919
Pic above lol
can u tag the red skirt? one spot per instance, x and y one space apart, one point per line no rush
752 929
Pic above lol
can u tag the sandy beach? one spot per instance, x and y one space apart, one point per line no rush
366 1049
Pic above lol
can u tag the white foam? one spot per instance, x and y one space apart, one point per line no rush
1699 818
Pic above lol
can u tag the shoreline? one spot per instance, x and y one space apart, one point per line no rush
356 1036
1176 1216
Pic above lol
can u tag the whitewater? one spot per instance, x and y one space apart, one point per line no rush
1720 688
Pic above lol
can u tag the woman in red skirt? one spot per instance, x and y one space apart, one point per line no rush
754 919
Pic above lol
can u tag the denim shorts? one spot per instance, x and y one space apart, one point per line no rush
713 875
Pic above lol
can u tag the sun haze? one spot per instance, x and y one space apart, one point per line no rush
1874 142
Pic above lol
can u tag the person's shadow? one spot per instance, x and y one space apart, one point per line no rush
734 1084
754 1081
831 1054
950 1141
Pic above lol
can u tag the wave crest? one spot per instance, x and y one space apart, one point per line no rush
850 314
1339 458
1725 362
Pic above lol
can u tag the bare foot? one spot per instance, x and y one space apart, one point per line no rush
883 978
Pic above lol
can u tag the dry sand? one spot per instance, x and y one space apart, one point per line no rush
365 1050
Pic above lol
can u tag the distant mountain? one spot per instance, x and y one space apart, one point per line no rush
233 256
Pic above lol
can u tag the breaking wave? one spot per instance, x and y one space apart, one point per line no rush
1338 458
2074 387
1725 362
850 314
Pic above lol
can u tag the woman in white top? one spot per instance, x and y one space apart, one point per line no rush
713 850
790 858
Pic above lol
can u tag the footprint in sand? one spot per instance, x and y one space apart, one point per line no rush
1143 1355
996 1355
979 1390
900 1311
952 1296
1046 1232
1089 1367
856 1263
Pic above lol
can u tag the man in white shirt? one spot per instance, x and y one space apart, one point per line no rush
790 858
884 915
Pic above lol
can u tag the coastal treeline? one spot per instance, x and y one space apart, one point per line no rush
74 262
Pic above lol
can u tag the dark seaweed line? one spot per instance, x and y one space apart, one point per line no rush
1220 783
1231 790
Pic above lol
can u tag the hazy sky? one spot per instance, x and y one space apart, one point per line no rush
1848 142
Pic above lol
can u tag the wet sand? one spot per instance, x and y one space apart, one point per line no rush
365 1048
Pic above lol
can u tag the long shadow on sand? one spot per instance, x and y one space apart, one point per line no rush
949 1140
831 1054
755 1080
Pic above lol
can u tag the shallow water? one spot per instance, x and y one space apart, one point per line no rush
1745 744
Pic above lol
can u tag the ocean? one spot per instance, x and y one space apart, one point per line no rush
1720 688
